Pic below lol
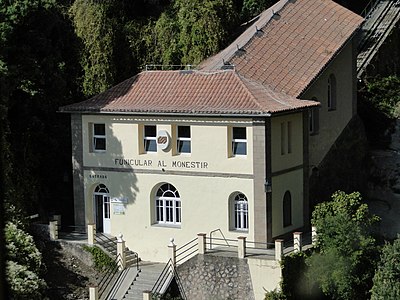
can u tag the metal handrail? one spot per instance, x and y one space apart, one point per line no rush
220 231
371 34
108 276
189 246
100 236
168 273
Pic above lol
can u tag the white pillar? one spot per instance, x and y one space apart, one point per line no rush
278 249
121 253
53 230
241 247
314 235
297 241
93 293
172 251
201 238
146 295
91 231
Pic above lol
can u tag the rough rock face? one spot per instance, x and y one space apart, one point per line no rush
384 185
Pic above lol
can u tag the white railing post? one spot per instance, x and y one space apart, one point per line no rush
53 230
314 235
172 251
146 295
297 241
278 249
241 246
91 231
93 293
201 240
121 253
58 219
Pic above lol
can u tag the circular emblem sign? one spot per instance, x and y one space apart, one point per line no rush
163 140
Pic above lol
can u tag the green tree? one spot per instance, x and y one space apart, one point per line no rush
96 30
387 277
23 265
343 266
204 27
252 8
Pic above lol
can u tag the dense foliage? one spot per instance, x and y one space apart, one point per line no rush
387 277
379 105
344 265
102 261
24 264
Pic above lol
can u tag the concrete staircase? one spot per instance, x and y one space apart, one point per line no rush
145 281
380 21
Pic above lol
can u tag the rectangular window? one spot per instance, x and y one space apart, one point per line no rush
286 137
314 121
239 141
99 137
283 138
150 138
184 139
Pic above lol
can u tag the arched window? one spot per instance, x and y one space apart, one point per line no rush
101 188
239 212
287 209
168 205
331 92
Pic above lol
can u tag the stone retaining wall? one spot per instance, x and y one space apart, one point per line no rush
215 277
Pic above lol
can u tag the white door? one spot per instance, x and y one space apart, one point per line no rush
102 212
106 214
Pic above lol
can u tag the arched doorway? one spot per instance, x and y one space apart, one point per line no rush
101 198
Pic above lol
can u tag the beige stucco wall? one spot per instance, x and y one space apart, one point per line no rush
293 182
287 160
332 122
204 202
204 190
287 173
209 144
265 276
205 184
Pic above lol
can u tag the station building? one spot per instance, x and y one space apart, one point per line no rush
227 146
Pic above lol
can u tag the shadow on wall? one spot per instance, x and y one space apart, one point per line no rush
108 189
345 167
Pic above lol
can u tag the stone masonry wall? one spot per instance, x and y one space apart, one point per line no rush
213 277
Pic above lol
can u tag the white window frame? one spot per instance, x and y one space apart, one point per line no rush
239 212
237 141
149 138
99 137
168 205
180 139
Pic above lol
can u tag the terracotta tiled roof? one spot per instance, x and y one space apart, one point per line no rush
190 92
295 41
